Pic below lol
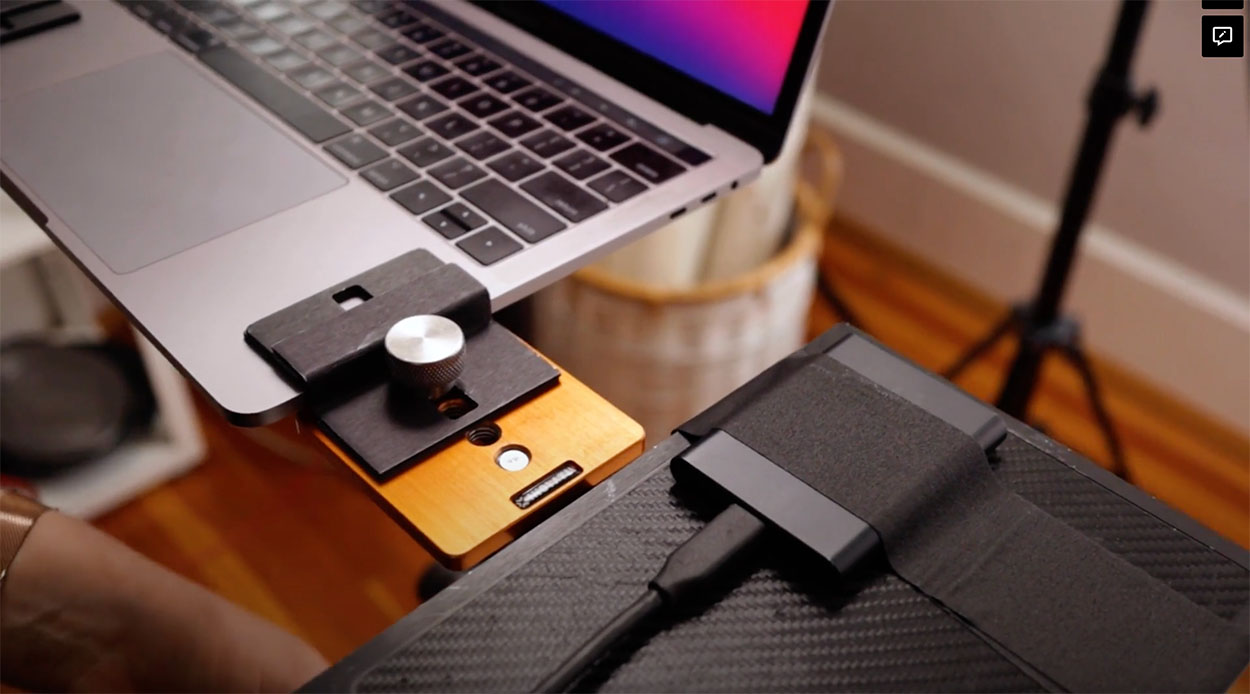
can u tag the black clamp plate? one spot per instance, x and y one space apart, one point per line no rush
335 356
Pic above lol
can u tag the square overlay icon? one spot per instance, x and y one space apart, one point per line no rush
1223 36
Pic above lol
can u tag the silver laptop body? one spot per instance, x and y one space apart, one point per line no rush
200 209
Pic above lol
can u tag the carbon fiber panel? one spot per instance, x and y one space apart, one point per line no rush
781 629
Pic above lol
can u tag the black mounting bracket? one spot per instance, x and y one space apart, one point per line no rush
329 345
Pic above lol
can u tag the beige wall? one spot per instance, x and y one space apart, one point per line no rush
1001 86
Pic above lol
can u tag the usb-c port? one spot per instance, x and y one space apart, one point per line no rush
709 197
677 214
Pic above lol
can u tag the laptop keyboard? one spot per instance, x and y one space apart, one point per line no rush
483 145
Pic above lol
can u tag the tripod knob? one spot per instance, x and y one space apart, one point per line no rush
1146 105
426 353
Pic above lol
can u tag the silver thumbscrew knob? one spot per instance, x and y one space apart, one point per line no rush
426 353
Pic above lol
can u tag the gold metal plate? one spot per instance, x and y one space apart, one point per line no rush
459 502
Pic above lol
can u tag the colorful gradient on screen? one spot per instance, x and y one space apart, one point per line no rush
740 47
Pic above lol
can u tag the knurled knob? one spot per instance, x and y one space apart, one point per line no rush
426 353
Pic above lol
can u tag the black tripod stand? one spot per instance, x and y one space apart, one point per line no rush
1038 322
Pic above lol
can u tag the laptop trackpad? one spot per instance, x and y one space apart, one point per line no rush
149 158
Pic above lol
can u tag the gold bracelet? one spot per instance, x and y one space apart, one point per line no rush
18 514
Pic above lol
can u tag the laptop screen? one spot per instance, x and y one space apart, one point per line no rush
739 47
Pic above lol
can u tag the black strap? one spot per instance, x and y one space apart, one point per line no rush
1079 614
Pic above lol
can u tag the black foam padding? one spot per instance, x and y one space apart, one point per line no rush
778 630
1084 618
385 427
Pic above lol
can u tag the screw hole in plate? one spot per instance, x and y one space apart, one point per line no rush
483 434
455 405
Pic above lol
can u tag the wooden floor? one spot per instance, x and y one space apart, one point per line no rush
270 525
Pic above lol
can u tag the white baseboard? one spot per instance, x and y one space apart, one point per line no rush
1176 328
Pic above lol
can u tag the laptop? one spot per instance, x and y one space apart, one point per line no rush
208 163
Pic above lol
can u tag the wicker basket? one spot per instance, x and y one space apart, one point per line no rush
662 355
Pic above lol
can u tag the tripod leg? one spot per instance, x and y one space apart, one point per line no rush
827 292
980 347
1078 359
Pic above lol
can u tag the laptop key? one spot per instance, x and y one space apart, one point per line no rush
454 87
315 40
652 166
513 210
423 107
537 99
547 143
395 132
482 145
372 6
483 105
238 28
691 155
393 89
397 53
311 76
489 246
457 173
338 94
516 165
389 175
143 9
372 39
293 25
616 186
444 225
449 49
325 11
286 60
289 105
478 65
426 151
426 70
268 11
167 20
422 33
451 126
366 71
339 55
507 82
355 151
580 164
348 23
195 39
569 118
603 137
366 112
421 197
215 13
396 19
556 192
514 124
263 45
464 217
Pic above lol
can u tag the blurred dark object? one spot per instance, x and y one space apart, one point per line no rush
434 580
64 405
1038 322
20 18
